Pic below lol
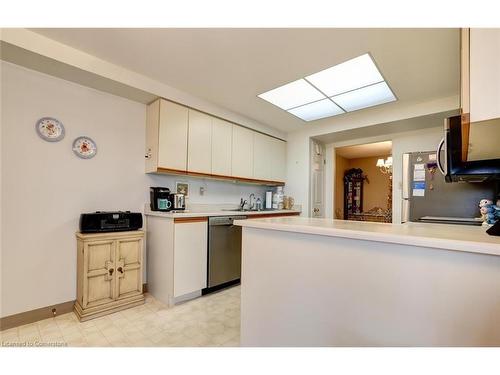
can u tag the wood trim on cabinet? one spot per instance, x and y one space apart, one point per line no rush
107 235
33 316
198 219
465 131
465 70
220 177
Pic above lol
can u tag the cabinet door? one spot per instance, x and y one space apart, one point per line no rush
199 142
222 137
128 267
262 156
99 269
484 74
278 160
190 257
242 152
173 136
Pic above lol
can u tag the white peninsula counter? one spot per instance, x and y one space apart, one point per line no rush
322 282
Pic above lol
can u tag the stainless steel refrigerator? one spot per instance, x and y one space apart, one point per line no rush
428 198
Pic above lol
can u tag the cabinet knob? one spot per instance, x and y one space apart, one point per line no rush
120 269
111 270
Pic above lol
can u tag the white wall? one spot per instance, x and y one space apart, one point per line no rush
45 186
298 169
216 192
91 70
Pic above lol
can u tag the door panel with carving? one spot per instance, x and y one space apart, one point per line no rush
99 270
128 268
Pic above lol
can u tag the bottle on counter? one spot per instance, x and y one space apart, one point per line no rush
258 204
275 201
278 198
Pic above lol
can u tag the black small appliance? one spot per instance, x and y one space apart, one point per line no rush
160 199
454 167
112 221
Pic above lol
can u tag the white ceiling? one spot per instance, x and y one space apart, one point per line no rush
366 150
230 67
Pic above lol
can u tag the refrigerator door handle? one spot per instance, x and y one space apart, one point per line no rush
438 158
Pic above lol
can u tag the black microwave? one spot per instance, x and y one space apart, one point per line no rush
470 152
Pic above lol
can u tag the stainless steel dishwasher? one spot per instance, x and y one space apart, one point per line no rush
224 252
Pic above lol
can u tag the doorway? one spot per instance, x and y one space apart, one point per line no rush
363 182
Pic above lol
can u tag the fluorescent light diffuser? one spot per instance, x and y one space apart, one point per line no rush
292 94
346 87
365 97
352 74
315 111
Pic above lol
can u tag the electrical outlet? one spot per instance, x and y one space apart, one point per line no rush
202 190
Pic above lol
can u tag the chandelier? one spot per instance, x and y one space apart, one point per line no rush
385 166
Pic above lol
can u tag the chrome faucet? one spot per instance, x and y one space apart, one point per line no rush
242 204
250 204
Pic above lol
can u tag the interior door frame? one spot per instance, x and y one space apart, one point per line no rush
331 162
312 151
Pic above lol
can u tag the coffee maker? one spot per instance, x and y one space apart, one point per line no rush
160 199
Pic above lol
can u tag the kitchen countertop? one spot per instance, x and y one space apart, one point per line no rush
441 236
215 212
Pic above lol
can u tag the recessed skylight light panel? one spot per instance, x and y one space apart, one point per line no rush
346 87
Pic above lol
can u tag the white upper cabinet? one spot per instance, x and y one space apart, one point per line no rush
262 157
199 142
484 55
269 158
180 140
278 162
172 136
222 139
242 152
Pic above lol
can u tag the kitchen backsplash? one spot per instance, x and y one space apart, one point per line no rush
215 192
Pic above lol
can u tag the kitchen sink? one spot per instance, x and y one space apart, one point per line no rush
244 210
239 210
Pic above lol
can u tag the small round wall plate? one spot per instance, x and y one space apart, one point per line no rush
84 147
50 129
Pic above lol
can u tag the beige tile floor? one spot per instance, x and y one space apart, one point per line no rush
212 320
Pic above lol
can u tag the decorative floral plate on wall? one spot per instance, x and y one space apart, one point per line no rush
84 147
50 129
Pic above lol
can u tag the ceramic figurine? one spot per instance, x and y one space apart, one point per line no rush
490 213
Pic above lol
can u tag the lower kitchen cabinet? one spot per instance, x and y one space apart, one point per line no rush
190 256
109 273
177 258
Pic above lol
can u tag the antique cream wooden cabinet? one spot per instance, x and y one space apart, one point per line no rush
109 273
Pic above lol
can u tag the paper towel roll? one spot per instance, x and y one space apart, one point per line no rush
269 199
